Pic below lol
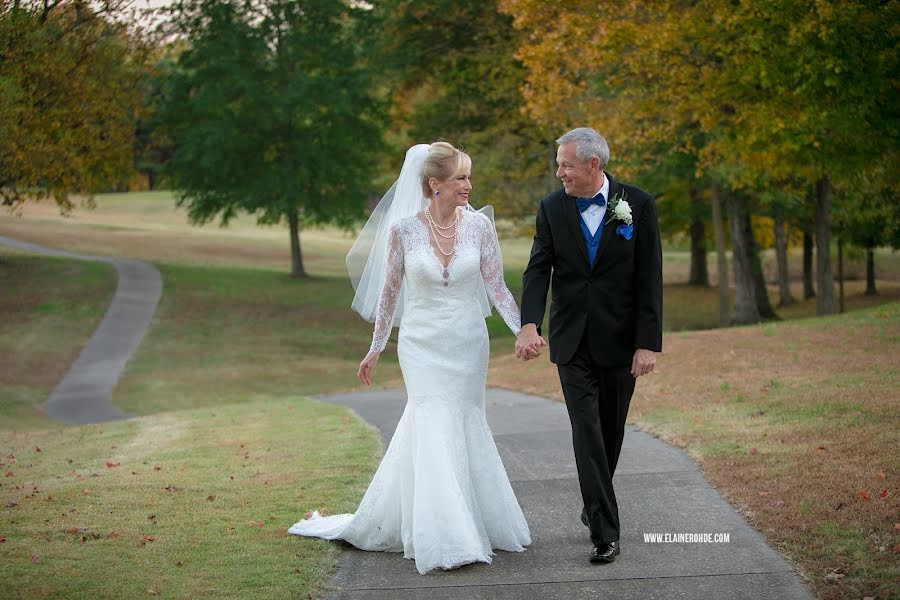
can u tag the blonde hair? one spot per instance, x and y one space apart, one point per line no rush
443 162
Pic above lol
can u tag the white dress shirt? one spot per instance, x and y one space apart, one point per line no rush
593 214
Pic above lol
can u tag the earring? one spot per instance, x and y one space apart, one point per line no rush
437 193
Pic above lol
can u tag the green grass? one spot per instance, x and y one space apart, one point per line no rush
51 307
229 335
234 344
235 348
214 488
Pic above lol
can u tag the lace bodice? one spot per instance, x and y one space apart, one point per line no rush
430 286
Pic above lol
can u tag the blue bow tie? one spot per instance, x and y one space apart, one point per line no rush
584 203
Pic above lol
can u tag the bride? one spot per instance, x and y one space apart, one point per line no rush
428 263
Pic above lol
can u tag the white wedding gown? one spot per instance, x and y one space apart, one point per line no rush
441 494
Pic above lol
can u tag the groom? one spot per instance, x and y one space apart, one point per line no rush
597 242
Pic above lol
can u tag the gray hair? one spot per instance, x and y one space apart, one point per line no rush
588 144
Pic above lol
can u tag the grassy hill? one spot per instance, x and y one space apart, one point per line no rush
794 421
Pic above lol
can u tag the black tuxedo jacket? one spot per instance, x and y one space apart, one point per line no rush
617 300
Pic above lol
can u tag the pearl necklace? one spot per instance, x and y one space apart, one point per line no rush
433 227
434 224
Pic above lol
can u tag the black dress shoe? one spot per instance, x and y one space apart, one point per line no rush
605 553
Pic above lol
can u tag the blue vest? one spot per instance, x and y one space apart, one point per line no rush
591 242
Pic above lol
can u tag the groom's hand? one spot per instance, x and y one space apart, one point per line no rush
643 362
529 343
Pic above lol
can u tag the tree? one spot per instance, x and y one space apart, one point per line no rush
787 90
786 212
69 98
271 111
453 75
870 224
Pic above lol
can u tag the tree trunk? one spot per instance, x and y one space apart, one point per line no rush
781 253
808 290
825 301
870 272
699 273
297 270
721 259
761 293
841 273
746 309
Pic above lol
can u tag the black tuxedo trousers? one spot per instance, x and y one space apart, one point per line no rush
597 399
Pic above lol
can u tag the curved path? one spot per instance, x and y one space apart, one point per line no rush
85 394
660 490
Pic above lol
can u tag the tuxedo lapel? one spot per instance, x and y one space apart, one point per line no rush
609 224
573 220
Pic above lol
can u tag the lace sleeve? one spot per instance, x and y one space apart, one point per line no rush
492 272
390 292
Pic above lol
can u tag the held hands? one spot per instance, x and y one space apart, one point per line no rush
643 362
367 366
529 343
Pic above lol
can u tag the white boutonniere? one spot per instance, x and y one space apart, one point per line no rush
619 209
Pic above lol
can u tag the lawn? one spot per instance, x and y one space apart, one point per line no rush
185 504
796 424
236 341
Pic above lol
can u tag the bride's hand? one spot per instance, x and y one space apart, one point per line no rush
367 366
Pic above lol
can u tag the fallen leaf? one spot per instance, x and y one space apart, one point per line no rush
151 517
834 576
86 492
36 449
9 474
153 592
881 476
73 530
210 498
178 563
779 504
256 524
49 498
765 493
11 504
112 465
884 494
2 538
864 495
35 559
112 534
896 549
171 488
157 468
149 538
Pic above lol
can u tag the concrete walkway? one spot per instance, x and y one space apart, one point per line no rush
660 490
84 394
